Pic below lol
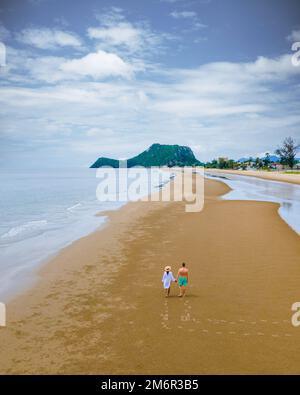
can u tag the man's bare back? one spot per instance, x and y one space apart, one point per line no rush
183 272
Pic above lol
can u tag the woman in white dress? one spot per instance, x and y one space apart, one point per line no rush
167 279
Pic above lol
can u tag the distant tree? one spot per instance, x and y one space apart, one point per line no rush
267 160
258 163
287 152
222 163
231 164
213 164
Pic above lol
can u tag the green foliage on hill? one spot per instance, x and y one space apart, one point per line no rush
156 155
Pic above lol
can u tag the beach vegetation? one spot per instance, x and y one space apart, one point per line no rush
287 152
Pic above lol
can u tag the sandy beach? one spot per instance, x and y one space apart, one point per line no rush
266 175
99 307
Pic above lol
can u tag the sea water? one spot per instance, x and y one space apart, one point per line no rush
40 213
254 188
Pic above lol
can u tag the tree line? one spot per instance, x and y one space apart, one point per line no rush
286 153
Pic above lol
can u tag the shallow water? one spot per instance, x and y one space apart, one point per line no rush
252 188
43 211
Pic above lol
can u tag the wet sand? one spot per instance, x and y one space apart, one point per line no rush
266 175
99 306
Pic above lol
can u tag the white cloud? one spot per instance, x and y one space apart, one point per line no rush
294 36
99 64
200 40
28 69
199 25
98 132
112 16
91 104
122 34
46 38
192 16
225 108
116 33
4 33
46 68
183 14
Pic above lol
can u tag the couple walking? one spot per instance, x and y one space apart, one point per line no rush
182 279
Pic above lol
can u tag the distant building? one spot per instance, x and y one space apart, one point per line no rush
277 166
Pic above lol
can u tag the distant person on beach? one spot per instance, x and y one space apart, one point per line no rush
182 278
167 279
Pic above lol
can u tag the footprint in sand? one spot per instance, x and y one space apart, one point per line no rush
186 316
165 316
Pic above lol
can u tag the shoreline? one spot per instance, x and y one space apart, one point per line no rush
98 306
284 193
24 275
31 275
272 176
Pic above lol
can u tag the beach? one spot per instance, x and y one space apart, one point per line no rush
266 175
98 307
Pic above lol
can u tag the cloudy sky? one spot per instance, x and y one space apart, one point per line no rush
93 78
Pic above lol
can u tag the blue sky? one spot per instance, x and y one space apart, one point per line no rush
108 78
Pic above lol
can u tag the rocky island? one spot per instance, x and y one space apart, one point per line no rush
156 155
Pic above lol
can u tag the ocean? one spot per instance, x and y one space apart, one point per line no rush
43 211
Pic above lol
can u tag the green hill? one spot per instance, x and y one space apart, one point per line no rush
156 155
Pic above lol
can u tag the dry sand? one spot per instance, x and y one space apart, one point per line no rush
266 175
99 306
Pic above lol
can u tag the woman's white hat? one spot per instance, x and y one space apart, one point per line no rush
167 268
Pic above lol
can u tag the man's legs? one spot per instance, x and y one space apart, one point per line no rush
182 288
180 291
